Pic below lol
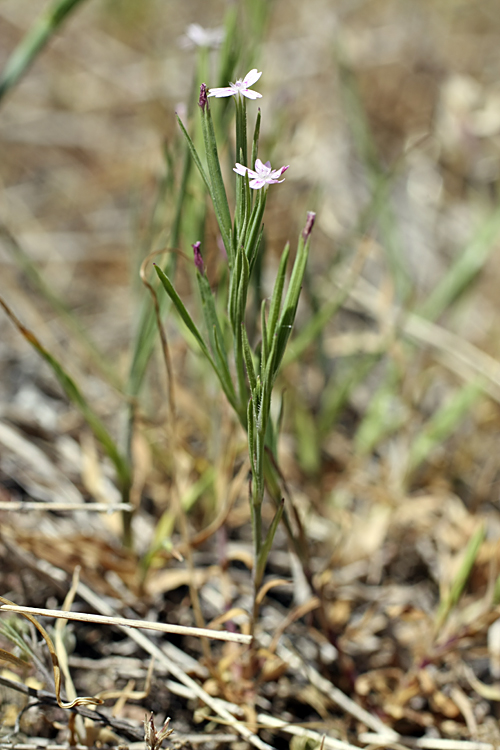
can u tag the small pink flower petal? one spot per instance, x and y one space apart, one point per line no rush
251 77
251 94
218 93
240 169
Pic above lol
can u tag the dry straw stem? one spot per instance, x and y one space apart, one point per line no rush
71 507
125 622
220 707
426 743
335 695
298 731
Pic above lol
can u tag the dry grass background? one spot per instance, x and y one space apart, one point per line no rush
81 155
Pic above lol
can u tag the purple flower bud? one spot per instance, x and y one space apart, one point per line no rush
202 101
306 232
198 260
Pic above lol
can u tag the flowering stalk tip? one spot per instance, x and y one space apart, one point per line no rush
262 175
242 86
198 260
306 232
202 101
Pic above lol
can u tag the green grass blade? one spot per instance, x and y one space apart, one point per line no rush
186 317
75 396
443 424
379 179
340 387
218 190
464 269
277 295
287 317
461 578
255 141
33 42
36 281
247 353
267 544
210 315
386 413
192 328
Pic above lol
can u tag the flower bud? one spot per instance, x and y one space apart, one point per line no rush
198 260
202 101
306 232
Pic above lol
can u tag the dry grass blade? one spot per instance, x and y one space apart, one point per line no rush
336 695
295 730
178 673
85 701
426 743
26 505
124 622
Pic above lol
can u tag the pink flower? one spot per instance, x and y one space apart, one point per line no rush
263 174
240 87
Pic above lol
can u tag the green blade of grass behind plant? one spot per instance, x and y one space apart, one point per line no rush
312 329
34 41
306 437
77 399
442 424
458 278
340 387
464 270
379 180
168 191
385 414
162 538
451 599
36 280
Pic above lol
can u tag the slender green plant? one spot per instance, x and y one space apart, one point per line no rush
246 371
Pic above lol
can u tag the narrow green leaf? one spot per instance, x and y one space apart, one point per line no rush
274 308
252 239
461 578
220 371
251 434
267 544
225 378
379 179
443 423
241 129
340 387
194 154
264 350
247 352
464 269
255 142
179 306
235 275
223 219
34 41
287 317
241 299
218 191
76 397
210 314
385 414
